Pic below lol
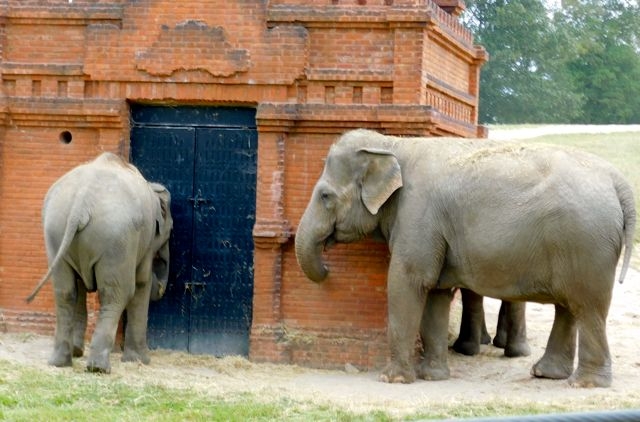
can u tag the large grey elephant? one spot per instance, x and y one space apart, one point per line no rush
514 222
107 230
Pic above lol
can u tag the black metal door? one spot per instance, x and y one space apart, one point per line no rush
207 158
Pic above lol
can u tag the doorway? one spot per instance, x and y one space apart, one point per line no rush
207 158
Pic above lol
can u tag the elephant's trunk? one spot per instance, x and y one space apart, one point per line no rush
309 247
160 272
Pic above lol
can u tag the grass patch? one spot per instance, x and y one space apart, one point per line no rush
28 394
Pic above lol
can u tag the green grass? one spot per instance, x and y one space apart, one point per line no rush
27 394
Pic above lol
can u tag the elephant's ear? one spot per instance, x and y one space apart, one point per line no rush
381 178
164 198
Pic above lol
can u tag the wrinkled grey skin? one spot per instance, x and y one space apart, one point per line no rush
107 230
514 222
511 330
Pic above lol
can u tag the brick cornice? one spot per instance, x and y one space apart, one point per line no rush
334 118
421 16
20 68
63 15
404 120
27 111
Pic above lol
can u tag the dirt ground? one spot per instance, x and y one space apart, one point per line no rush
487 378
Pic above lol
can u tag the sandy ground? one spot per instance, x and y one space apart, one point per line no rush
487 378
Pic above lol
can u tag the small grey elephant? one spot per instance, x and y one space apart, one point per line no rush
106 229
518 222
511 330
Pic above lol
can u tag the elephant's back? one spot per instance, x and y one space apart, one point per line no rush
538 212
116 197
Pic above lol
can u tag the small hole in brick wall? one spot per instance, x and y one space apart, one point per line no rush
65 137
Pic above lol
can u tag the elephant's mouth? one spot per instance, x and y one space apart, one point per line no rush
329 242
341 236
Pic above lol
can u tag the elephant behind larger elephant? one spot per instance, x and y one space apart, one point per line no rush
515 222
106 229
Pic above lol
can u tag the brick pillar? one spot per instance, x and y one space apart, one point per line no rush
480 58
270 232
409 86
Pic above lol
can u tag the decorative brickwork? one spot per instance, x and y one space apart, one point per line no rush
313 69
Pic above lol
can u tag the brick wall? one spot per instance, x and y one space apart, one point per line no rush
313 69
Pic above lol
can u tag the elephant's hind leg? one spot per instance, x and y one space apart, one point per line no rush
65 296
557 361
115 285
594 359
135 337
80 319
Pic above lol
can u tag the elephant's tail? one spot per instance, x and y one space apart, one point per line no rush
627 202
76 222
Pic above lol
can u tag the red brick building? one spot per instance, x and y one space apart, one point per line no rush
185 89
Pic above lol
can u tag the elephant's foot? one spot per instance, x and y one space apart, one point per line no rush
433 371
99 362
549 368
78 351
485 338
517 349
130 355
60 359
500 340
466 347
590 379
395 373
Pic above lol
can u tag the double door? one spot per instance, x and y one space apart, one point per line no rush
207 158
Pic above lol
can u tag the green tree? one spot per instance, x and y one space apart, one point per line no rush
526 79
606 69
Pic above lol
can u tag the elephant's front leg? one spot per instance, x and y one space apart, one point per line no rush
135 336
406 300
434 331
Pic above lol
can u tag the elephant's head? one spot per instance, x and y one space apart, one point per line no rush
164 225
359 177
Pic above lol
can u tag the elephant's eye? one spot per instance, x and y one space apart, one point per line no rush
327 199
326 195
